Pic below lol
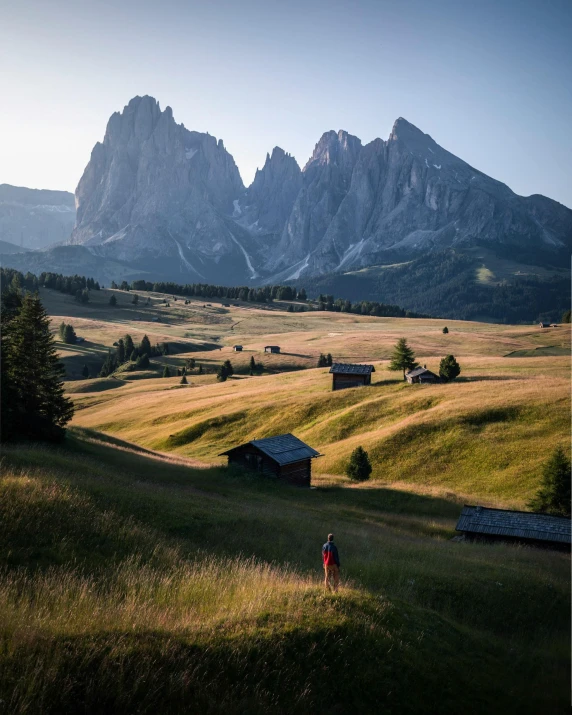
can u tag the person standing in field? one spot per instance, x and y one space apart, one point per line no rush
331 560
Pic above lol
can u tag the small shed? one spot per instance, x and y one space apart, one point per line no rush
271 348
543 325
483 523
347 375
421 375
237 348
284 456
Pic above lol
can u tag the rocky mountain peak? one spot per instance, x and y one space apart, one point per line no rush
339 148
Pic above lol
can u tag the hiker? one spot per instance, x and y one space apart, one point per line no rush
331 564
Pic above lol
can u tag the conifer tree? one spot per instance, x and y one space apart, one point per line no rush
322 360
252 365
229 368
166 371
85 371
11 304
445 330
553 497
145 346
69 335
135 299
222 373
200 369
329 360
402 358
449 368
120 351
39 409
129 347
113 301
62 331
184 380
359 467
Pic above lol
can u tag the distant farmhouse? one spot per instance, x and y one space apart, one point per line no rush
482 523
237 348
421 375
544 325
346 375
283 456
271 348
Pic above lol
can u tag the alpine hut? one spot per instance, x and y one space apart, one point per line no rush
284 456
237 348
271 348
346 375
421 375
482 523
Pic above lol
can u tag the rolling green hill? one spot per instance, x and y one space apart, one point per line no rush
137 583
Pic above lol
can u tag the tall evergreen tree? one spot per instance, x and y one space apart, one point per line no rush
120 351
11 305
62 331
329 360
403 357
166 371
184 380
145 346
229 368
445 330
113 301
553 497
129 347
39 409
85 372
135 299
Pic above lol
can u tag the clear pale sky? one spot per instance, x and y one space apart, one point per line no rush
490 80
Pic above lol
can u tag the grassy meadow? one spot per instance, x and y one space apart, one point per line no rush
144 583
139 574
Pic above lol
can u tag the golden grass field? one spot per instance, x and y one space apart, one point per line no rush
483 436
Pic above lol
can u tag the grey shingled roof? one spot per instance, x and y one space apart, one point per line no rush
515 524
284 448
347 369
419 371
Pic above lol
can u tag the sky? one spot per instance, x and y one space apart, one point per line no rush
489 80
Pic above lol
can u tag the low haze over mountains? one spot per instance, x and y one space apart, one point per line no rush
32 218
168 202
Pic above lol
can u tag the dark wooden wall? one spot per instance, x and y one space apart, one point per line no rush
341 381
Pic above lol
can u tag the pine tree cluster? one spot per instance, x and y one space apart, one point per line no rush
325 360
225 371
126 352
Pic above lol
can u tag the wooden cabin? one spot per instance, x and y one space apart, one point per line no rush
421 375
346 375
543 325
285 457
237 348
271 348
482 523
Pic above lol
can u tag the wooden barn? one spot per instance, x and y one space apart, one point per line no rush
271 348
237 348
421 375
482 523
284 456
346 375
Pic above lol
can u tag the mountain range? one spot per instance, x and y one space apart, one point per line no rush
161 200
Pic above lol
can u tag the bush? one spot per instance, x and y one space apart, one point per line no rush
359 466
445 330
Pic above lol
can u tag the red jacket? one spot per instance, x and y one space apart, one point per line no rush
330 554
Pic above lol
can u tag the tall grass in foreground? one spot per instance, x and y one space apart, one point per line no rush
132 584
